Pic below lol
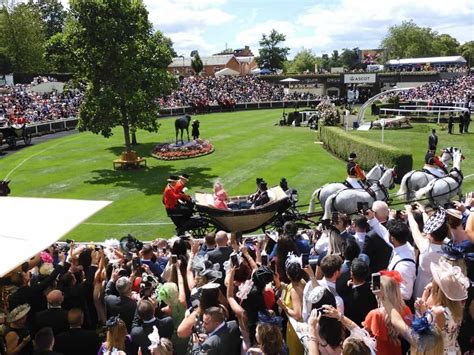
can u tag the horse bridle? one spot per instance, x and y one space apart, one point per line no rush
383 169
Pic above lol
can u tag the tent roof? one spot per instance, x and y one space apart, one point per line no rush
30 225
226 71
432 60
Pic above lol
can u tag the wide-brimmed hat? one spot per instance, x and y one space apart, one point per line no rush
18 313
454 213
436 220
316 294
450 280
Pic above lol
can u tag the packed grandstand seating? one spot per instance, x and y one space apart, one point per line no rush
112 297
451 91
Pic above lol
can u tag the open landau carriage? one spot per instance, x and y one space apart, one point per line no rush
10 134
272 215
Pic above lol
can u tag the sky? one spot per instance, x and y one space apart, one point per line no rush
322 26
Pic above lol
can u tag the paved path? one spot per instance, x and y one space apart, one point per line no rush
6 151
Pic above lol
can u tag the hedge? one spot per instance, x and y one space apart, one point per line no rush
369 152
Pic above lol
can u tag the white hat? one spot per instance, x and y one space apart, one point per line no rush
450 280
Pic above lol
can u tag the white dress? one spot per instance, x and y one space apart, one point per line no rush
450 334
432 253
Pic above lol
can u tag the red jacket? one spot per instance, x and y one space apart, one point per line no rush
171 197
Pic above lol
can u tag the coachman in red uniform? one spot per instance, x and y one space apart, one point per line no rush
177 204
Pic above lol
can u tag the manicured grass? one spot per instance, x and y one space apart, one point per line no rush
247 145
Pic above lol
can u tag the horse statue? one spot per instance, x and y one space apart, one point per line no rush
181 124
439 191
416 179
4 188
345 201
328 189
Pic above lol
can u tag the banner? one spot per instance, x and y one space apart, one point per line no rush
370 56
359 78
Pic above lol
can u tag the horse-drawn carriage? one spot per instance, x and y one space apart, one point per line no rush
272 215
11 134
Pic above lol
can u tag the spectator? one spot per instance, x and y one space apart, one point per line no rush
351 252
117 339
122 304
360 300
77 341
149 258
222 253
54 317
17 335
269 340
44 342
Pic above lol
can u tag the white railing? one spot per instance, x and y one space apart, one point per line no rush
425 109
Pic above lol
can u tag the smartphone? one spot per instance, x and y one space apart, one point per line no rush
273 266
362 206
174 259
376 281
164 251
136 263
234 259
264 259
304 260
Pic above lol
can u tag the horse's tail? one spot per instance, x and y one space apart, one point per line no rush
403 191
313 197
328 206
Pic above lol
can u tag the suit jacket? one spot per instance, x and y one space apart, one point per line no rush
77 341
220 255
359 302
341 283
432 140
141 330
123 306
378 251
56 318
225 341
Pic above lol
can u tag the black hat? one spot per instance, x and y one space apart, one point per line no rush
263 185
259 180
172 178
353 155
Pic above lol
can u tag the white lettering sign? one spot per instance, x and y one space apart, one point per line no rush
359 78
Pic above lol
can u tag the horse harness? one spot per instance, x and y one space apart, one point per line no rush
369 190
458 180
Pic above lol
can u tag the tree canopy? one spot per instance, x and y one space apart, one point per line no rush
122 62
196 63
52 14
272 56
304 61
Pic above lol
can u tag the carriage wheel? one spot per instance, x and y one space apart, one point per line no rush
11 141
27 138
198 227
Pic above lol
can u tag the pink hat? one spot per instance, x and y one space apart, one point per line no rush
450 280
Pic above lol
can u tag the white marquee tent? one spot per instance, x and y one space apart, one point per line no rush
29 225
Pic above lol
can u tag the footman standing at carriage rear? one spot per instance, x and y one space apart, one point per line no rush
355 175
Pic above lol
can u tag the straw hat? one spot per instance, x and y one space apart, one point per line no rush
450 280
454 213
18 313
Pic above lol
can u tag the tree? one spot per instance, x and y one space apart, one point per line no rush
22 37
169 43
5 63
335 59
122 62
349 58
196 63
272 56
59 55
445 45
467 51
226 51
304 61
409 40
52 13
325 62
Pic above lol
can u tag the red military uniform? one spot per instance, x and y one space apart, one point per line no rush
171 197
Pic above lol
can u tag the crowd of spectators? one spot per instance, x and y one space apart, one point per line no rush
219 90
226 294
20 105
449 91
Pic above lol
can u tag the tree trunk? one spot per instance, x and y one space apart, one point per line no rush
126 130
134 135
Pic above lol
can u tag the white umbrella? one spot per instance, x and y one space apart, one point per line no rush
289 81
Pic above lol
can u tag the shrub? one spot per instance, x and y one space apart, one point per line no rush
329 114
369 152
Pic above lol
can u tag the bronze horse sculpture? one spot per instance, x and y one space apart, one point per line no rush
4 189
181 124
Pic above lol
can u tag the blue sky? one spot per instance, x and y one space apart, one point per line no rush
208 25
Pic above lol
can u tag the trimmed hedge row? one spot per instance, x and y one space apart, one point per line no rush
369 152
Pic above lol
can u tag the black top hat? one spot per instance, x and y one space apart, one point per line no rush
353 155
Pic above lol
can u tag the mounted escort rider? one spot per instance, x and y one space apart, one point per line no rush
433 165
355 175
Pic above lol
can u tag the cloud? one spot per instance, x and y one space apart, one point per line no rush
364 24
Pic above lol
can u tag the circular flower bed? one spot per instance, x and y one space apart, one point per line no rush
173 151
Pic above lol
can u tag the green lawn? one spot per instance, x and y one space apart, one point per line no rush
247 145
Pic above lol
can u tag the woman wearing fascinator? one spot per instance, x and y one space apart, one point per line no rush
435 328
118 342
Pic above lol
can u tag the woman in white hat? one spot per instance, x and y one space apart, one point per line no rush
17 338
437 330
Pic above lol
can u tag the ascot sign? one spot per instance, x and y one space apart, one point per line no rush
359 78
